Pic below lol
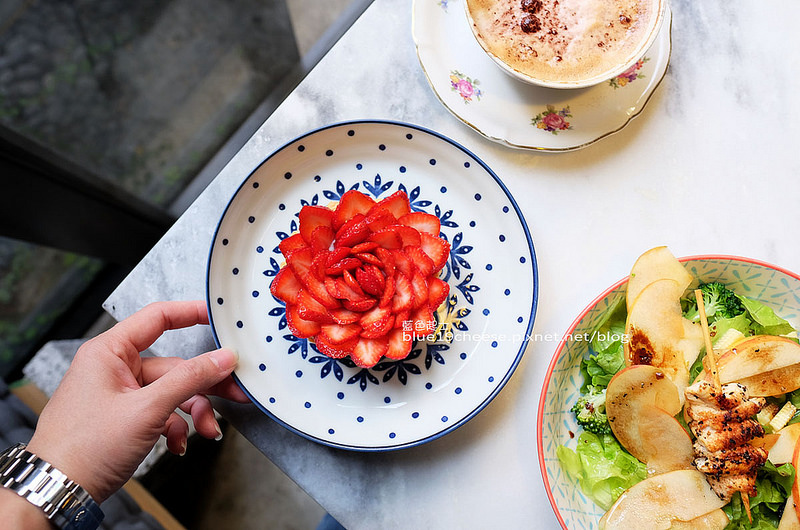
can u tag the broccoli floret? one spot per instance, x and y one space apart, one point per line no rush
590 411
719 302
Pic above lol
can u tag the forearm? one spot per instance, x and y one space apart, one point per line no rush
19 514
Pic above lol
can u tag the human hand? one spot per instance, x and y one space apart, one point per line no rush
112 405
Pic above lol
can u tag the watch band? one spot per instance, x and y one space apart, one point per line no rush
64 502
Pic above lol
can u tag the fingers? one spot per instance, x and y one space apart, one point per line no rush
155 367
190 377
176 431
205 423
143 327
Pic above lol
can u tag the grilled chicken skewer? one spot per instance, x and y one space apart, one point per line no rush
723 424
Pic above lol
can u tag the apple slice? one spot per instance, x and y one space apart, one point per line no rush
657 502
666 444
716 520
789 520
758 355
655 329
774 382
656 264
628 392
783 450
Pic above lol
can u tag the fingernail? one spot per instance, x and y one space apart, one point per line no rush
183 448
219 433
224 359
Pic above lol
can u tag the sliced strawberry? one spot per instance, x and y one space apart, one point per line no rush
338 333
352 203
374 315
437 292
436 248
386 259
300 262
347 264
344 316
402 263
321 238
352 233
377 322
360 306
379 218
334 351
332 287
424 323
337 254
351 282
348 291
309 308
388 239
366 246
319 291
312 217
403 321
318 263
396 203
292 243
419 287
420 260
388 292
400 343
370 258
379 329
285 286
300 327
368 352
403 297
422 222
408 235
370 279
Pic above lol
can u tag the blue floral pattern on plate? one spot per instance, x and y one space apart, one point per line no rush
491 271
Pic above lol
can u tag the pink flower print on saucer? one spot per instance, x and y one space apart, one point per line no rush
466 87
552 120
630 75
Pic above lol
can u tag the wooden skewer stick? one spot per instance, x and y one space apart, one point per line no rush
746 504
712 358
712 363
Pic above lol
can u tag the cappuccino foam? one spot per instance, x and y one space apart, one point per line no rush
563 40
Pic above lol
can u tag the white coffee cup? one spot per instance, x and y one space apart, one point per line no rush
565 43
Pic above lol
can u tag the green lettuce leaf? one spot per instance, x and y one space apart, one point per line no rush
774 485
606 350
765 321
740 323
602 468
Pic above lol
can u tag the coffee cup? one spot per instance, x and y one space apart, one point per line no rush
565 43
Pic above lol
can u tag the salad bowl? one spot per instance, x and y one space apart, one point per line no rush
556 424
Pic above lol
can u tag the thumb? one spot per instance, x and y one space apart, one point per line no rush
190 377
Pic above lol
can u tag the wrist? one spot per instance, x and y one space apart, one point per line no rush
62 501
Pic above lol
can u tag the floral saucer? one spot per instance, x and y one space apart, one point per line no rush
488 316
471 86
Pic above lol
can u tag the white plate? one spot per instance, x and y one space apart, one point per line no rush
491 271
471 86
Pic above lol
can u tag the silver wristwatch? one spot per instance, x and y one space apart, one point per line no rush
65 503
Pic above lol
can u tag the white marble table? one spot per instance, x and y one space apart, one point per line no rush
710 166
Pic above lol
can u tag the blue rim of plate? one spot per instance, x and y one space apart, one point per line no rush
530 320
